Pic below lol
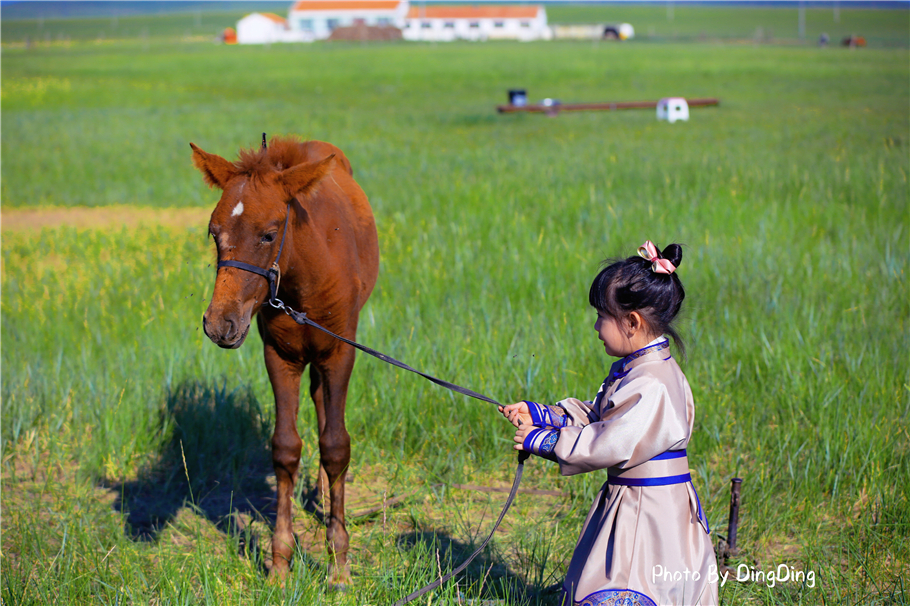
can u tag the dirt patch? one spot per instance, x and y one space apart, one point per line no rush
102 217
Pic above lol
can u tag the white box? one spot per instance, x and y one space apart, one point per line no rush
672 109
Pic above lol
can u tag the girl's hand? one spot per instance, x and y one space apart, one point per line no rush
520 434
517 414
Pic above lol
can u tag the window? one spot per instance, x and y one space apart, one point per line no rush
450 25
474 24
499 24
383 21
332 24
306 24
360 21
426 25
526 24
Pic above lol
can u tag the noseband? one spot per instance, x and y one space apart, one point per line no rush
272 274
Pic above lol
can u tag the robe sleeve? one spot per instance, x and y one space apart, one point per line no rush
639 422
576 412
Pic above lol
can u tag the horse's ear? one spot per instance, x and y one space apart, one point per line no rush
215 170
303 177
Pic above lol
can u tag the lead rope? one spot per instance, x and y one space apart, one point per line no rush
301 318
273 275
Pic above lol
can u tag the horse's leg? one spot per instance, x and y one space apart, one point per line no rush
286 445
322 480
335 454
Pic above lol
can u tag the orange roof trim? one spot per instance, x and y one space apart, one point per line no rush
275 18
473 12
328 5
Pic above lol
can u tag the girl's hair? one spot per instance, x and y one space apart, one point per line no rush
631 285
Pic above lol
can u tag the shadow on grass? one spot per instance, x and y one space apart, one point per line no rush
488 575
215 458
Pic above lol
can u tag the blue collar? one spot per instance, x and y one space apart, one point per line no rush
658 347
621 368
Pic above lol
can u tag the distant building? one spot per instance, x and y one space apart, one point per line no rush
266 28
310 20
319 18
476 22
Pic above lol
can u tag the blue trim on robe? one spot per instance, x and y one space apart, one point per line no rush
616 597
620 366
665 481
541 441
543 416
662 481
701 513
670 454
646 350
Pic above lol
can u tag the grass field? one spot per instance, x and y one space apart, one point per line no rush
135 464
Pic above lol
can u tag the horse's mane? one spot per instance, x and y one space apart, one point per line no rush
282 153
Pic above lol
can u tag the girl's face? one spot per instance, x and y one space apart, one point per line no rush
615 339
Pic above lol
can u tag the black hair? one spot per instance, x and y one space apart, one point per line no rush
628 285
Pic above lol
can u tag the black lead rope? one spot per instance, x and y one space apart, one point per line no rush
273 275
301 318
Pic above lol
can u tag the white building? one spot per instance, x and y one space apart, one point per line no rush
266 28
319 18
476 22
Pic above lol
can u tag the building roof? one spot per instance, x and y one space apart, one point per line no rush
275 18
336 5
473 12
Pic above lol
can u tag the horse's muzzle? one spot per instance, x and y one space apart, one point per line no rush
228 335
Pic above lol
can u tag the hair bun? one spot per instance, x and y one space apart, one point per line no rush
673 254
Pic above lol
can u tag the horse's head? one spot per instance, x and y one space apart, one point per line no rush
247 226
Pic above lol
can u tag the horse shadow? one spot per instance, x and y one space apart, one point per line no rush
214 458
488 575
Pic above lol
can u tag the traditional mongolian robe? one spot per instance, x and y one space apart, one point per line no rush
646 539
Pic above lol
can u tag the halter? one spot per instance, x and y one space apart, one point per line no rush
272 274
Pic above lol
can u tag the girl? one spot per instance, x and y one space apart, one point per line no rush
645 540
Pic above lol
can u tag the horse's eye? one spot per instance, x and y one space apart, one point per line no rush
268 238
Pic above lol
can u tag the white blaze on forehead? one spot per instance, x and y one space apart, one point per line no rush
238 210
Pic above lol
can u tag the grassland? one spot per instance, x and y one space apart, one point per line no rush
135 463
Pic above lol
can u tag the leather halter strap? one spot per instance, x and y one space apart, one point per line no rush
273 273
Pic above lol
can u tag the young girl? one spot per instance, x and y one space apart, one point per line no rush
645 540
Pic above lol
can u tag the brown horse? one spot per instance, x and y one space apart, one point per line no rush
301 194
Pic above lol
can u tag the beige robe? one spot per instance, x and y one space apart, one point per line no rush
640 544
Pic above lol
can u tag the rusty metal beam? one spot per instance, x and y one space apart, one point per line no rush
575 107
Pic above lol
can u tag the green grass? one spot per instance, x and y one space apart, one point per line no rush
679 21
790 197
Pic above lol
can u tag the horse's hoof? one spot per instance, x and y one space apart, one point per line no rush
339 577
279 573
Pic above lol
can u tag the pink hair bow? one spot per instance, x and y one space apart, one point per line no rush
658 265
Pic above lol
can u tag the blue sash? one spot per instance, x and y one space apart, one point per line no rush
666 480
